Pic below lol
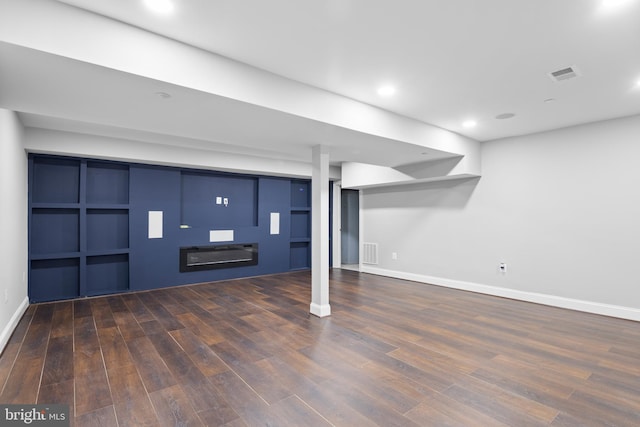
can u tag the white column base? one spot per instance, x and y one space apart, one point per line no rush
320 310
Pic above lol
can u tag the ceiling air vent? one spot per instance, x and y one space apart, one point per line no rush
564 74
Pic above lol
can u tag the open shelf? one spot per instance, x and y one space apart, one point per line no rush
55 230
107 229
52 279
107 183
300 194
107 274
300 224
55 181
299 255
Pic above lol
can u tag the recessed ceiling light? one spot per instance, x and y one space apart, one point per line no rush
163 95
549 100
386 90
608 5
505 116
469 123
160 6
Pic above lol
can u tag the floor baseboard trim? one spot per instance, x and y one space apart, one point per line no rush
13 323
628 313
320 310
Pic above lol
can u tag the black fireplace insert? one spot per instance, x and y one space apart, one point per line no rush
198 258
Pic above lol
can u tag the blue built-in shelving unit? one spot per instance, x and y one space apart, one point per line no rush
78 229
300 242
89 224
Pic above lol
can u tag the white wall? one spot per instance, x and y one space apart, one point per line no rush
561 208
13 225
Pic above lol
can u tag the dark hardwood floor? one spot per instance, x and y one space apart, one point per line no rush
394 353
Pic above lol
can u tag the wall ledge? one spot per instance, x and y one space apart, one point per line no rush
622 312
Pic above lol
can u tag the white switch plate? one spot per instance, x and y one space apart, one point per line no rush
218 200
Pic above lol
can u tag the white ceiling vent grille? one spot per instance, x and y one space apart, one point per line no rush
370 253
564 74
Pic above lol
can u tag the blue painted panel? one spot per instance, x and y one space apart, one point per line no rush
275 196
200 192
154 263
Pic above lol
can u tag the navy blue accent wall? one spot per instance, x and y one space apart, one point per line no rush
89 231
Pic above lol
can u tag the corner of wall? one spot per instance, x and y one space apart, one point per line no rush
8 329
13 224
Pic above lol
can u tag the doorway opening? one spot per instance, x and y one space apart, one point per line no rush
350 229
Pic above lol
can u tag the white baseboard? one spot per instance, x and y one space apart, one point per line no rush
621 312
320 310
13 322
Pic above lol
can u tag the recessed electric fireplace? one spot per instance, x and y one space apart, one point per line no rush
198 258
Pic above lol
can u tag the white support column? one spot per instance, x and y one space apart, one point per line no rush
320 232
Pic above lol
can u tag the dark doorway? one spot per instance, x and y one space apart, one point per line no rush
350 232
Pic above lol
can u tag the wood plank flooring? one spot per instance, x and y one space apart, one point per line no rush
393 353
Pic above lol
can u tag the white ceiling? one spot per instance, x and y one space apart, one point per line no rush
450 61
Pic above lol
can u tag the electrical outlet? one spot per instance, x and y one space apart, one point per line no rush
394 255
502 267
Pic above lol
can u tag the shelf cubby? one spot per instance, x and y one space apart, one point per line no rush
52 279
55 230
107 274
55 181
107 183
300 224
299 255
107 229
300 194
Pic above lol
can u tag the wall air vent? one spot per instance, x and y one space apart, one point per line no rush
370 253
564 74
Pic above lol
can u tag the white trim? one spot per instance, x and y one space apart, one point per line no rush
610 310
320 310
13 323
